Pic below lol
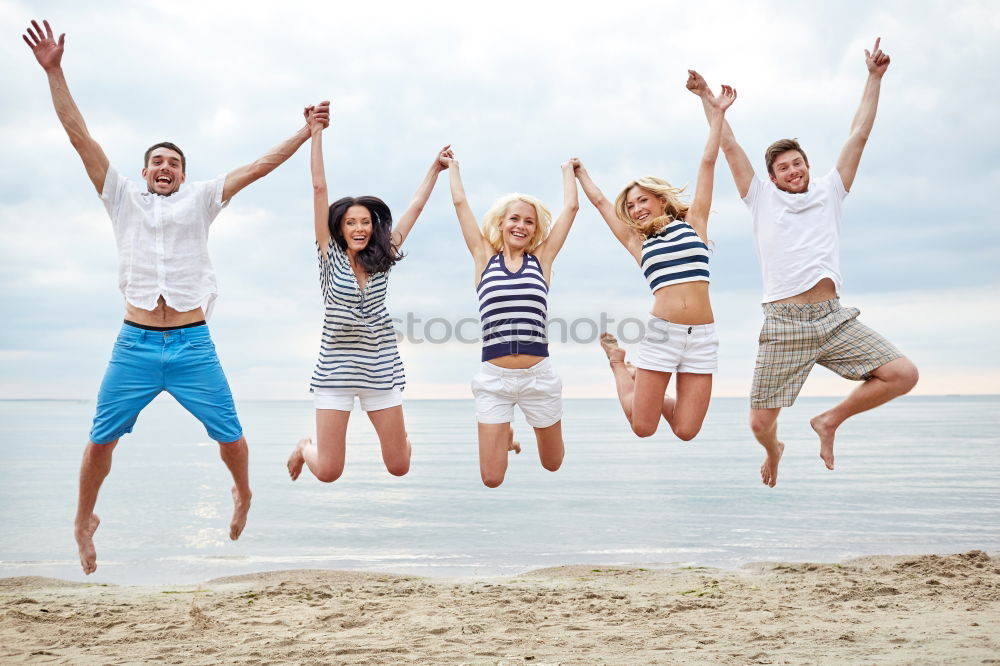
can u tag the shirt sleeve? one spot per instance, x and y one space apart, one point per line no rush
837 184
211 197
756 185
326 257
113 193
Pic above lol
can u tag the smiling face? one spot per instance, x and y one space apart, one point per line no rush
356 227
164 171
644 206
519 226
790 172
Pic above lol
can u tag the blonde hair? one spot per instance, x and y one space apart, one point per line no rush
676 209
498 211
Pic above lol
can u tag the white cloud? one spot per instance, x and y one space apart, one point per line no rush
517 88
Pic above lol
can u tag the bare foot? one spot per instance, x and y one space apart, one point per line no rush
297 459
769 470
513 444
609 344
826 433
241 507
85 543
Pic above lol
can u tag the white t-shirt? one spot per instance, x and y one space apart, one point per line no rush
163 241
797 235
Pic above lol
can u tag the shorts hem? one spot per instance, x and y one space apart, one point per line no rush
546 425
228 441
774 403
480 419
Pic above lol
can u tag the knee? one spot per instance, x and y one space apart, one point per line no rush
686 433
329 474
492 480
761 424
908 376
644 429
398 467
552 464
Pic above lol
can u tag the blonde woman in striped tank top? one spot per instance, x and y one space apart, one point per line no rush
668 238
513 255
358 358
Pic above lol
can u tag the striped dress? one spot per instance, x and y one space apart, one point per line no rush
674 255
358 349
513 308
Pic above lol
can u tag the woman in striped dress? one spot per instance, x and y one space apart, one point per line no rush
668 238
357 247
513 255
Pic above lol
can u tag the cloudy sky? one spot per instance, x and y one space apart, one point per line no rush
517 88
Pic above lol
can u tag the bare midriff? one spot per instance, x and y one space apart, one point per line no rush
686 303
162 315
516 361
824 290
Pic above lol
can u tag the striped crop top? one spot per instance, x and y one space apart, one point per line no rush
513 308
674 255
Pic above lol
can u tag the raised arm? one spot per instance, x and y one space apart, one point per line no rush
624 233
549 248
864 119
736 157
321 196
242 176
474 239
716 106
49 53
420 197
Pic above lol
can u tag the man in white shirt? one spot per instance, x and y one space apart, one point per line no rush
169 286
796 225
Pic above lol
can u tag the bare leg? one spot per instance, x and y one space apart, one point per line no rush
495 443
325 459
887 382
550 446
236 456
391 432
93 470
764 423
694 392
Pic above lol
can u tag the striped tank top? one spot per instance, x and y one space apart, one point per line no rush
513 308
358 347
674 255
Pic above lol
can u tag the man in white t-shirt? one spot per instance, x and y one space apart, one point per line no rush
167 279
796 225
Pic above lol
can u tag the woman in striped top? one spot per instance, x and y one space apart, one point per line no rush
357 247
513 255
668 238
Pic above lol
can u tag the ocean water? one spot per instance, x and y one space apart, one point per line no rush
919 475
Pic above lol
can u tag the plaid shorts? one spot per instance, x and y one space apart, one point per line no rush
796 336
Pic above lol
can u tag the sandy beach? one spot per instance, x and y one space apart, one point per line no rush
921 609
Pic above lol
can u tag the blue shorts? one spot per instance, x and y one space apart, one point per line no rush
180 361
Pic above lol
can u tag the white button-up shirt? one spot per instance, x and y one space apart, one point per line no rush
163 241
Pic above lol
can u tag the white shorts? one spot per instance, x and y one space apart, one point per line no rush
343 398
670 347
536 390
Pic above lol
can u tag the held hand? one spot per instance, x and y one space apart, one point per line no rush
444 158
47 52
696 83
321 113
726 97
877 61
577 166
569 165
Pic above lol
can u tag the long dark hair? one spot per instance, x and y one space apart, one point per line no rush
381 253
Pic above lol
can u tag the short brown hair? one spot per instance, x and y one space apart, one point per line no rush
782 146
168 146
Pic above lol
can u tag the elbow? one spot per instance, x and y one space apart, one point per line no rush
458 201
319 188
573 207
